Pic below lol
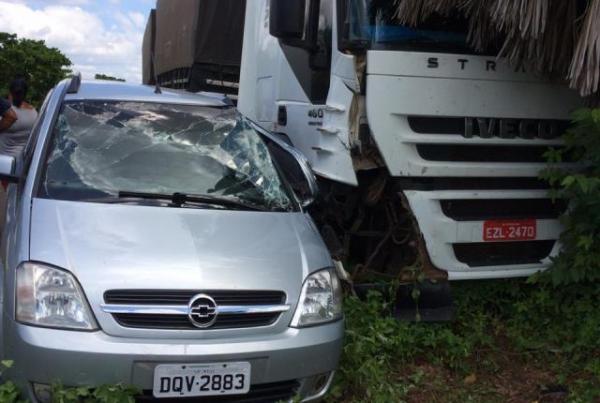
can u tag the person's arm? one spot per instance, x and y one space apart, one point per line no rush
8 115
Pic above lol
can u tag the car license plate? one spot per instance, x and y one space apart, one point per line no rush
188 380
509 230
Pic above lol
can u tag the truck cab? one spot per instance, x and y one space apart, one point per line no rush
428 151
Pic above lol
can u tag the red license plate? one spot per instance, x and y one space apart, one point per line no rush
509 230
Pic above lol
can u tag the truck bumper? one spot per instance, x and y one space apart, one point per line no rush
456 245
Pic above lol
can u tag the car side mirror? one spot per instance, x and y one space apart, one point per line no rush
295 167
7 168
287 18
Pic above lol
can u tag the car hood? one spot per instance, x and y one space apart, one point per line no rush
113 246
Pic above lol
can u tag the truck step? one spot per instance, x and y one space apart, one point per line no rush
328 130
322 150
434 302
335 108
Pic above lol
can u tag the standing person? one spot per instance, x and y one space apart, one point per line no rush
14 138
26 113
7 118
7 115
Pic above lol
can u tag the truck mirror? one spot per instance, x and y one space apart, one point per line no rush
287 18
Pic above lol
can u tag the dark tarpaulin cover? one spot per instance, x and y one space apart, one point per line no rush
220 32
198 32
175 33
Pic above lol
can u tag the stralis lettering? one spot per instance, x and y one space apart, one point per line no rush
513 128
434 63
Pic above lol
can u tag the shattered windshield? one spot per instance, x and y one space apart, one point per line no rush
102 148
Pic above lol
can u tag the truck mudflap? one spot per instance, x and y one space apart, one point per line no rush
487 234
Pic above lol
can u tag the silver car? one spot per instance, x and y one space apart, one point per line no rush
152 240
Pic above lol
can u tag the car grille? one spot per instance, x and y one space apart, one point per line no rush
149 321
176 297
125 307
502 253
265 393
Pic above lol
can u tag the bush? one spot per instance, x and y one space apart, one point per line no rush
579 260
500 327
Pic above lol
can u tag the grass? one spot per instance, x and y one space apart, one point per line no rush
511 341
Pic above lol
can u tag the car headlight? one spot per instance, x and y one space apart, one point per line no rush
50 297
320 301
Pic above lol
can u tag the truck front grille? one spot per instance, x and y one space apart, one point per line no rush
264 393
494 209
479 153
502 253
170 309
456 125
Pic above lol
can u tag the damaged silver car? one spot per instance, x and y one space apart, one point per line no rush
153 240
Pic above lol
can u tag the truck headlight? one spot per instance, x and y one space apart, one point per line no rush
320 301
50 297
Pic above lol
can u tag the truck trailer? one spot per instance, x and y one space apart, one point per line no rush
194 45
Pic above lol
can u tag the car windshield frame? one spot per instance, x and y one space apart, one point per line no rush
240 128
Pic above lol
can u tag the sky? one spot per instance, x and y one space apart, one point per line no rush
99 36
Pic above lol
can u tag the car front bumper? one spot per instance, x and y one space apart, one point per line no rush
45 356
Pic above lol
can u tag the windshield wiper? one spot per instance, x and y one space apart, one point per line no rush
180 199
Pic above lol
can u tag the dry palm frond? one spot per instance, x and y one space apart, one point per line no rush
411 12
528 17
543 36
584 72
549 50
481 30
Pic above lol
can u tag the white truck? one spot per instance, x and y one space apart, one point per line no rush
428 152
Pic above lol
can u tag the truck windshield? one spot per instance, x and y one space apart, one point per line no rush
101 149
372 24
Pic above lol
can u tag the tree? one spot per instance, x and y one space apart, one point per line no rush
108 78
39 64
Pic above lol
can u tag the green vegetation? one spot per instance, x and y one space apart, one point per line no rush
103 394
40 65
511 340
580 259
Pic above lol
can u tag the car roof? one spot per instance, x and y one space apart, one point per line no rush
119 91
